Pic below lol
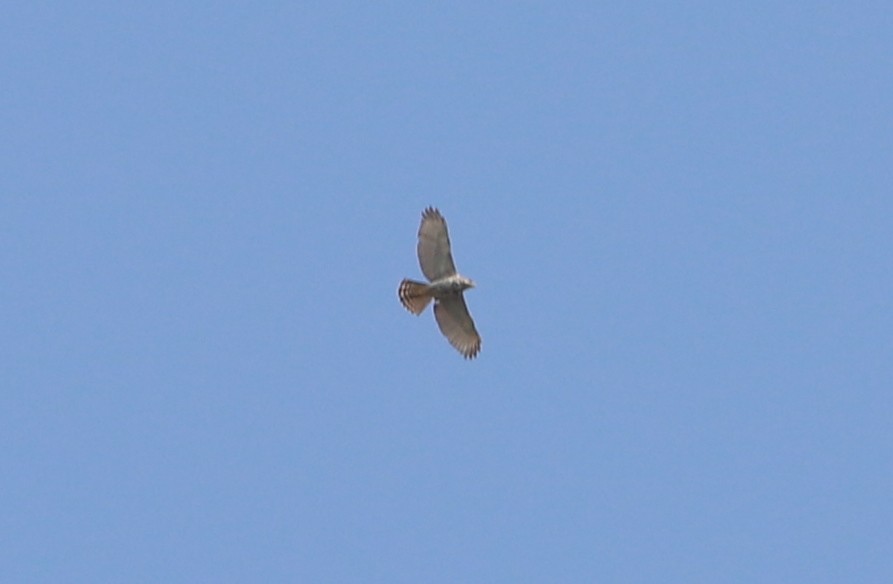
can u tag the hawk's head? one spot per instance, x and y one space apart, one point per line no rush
463 283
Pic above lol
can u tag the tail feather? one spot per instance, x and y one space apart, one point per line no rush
415 296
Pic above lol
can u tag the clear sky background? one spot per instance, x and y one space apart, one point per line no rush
680 220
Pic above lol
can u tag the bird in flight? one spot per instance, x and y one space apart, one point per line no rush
445 286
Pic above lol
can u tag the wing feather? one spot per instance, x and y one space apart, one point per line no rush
435 258
456 324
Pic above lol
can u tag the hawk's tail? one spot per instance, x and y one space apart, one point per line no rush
415 296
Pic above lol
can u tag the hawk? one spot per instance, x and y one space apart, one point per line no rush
445 288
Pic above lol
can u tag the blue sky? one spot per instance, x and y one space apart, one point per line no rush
679 219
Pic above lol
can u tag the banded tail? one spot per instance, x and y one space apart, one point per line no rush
415 296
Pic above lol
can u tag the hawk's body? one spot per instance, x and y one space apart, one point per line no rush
445 288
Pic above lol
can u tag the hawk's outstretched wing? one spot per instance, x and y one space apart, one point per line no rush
456 325
434 246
